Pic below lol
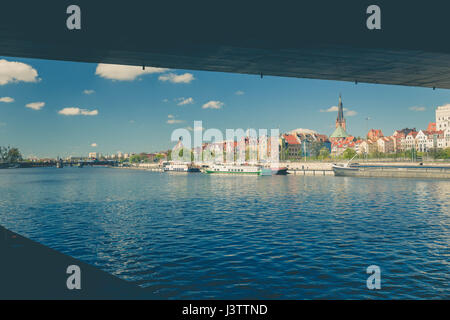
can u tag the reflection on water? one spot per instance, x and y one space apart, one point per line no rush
200 236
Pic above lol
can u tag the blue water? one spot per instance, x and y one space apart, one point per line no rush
200 236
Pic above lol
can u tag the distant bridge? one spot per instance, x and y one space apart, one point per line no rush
53 163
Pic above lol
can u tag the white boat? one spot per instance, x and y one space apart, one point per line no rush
179 167
234 169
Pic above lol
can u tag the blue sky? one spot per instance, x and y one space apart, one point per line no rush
132 115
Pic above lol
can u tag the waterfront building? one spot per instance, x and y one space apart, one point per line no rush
409 142
386 145
358 146
435 139
291 147
440 139
443 117
400 135
92 155
374 134
308 138
421 141
431 127
338 146
368 146
446 139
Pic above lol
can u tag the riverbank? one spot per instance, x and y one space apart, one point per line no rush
311 168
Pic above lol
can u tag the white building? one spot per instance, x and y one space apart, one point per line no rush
421 141
93 155
409 142
443 117
386 145
447 138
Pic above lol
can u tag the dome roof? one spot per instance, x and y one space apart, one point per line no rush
303 131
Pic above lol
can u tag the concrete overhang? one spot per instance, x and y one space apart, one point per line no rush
322 39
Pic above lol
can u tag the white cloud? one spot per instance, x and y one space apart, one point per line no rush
35 105
165 100
330 109
88 92
195 129
174 121
175 78
94 145
240 93
124 73
171 119
183 101
6 99
213 105
12 71
77 112
348 113
417 109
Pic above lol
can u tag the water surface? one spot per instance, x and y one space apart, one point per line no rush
192 236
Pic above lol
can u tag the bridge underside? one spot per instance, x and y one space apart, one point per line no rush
320 40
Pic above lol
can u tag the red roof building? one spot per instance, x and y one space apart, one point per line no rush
374 134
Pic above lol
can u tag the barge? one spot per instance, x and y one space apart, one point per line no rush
392 171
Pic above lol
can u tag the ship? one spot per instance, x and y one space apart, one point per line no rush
179 167
274 171
392 171
234 169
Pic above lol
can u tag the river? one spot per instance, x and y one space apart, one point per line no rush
197 236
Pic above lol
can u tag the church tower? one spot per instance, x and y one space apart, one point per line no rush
340 121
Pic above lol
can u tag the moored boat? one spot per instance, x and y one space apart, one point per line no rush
179 167
274 171
234 169
394 171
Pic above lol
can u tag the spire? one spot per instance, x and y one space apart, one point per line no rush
340 121
340 109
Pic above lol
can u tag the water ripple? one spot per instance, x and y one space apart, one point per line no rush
198 236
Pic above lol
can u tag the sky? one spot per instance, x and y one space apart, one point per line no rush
57 108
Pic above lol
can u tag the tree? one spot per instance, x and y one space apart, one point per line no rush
10 155
447 153
376 154
349 153
324 153
315 148
14 155
3 154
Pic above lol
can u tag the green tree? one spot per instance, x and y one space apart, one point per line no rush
349 153
14 155
10 155
324 153
447 153
315 148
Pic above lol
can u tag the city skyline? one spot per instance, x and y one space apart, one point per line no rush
54 108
